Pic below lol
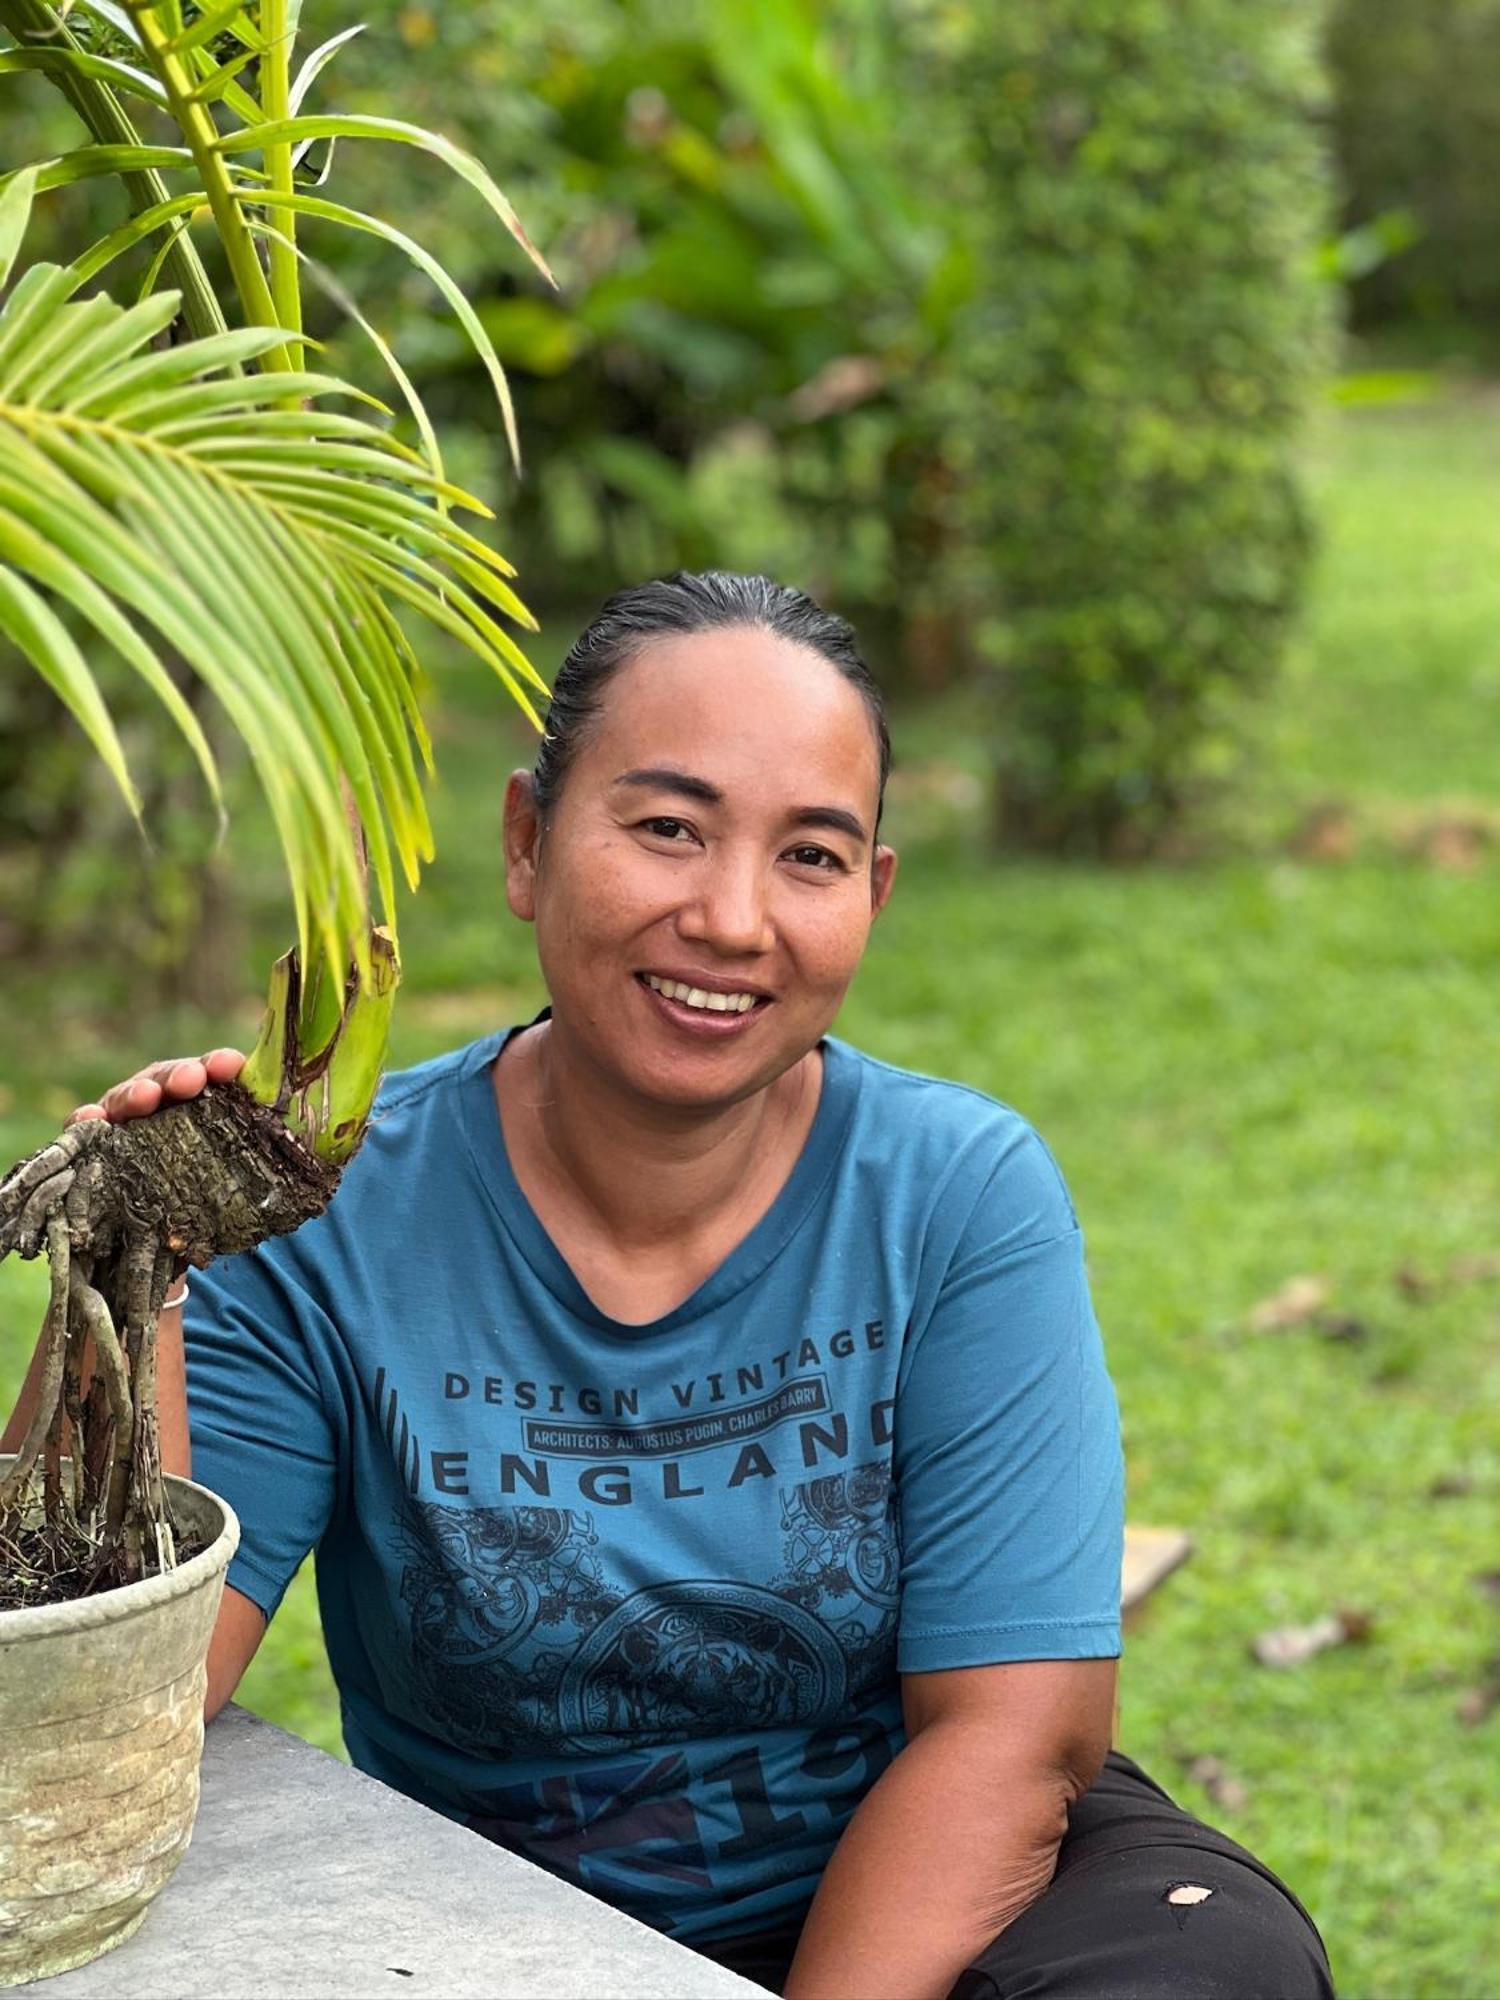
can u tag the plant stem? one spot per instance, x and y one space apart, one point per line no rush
195 122
33 21
275 98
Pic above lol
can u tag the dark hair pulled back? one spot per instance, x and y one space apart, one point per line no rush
684 603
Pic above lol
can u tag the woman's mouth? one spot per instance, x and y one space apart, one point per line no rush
701 1010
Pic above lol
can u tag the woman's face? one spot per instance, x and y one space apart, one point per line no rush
704 889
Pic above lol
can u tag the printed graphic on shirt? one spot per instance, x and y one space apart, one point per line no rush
498 1597
696 1658
521 1648
611 1831
843 1561
518 1640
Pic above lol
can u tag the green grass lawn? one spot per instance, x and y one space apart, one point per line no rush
1252 1068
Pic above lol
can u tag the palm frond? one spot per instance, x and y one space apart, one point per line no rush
75 63
314 65
345 125
268 541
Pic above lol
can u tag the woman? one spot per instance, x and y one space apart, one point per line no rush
703 1427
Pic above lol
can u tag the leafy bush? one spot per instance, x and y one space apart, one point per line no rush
1148 191
1415 89
751 297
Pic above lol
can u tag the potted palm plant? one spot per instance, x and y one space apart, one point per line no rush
180 489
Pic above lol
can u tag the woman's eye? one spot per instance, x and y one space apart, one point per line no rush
667 829
815 857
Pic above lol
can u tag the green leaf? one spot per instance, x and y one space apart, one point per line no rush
24 549
161 407
27 314
171 365
281 131
215 21
91 162
28 619
117 336
318 61
219 80
159 257
121 76
15 213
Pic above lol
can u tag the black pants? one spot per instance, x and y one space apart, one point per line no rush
1125 1916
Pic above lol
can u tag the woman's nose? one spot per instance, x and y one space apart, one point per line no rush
729 912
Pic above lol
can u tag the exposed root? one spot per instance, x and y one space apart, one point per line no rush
120 1208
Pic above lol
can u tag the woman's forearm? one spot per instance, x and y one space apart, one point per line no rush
946 1850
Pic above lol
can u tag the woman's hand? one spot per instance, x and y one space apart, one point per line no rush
160 1083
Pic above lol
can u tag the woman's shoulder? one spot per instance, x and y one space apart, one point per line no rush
407 1090
419 1133
964 1147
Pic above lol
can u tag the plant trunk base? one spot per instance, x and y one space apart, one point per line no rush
119 1209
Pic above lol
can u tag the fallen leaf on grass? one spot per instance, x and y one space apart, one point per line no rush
1414 1283
1477 1704
1455 844
1339 1326
1304 1302
1298 1301
1327 833
1295 1645
1450 1486
1419 1285
1221 1785
1474 1270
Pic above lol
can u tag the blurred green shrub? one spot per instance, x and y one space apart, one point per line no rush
751 294
1415 89
1148 193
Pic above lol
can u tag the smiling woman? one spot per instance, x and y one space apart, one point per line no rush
703 1427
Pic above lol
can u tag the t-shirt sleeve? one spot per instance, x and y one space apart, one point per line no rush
1007 1443
259 1416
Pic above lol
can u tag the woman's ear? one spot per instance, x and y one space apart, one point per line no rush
882 878
523 833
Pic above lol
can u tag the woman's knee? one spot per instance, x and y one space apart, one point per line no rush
1196 1922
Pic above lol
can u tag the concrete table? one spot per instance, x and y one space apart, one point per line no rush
309 1881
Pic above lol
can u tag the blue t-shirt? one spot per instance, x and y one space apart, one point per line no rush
634 1600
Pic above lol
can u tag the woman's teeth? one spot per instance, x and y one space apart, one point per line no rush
695 996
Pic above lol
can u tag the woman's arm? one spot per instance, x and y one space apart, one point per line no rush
960 1833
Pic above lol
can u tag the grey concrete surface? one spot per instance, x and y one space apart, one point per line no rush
309 1881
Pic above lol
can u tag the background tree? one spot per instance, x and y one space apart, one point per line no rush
1415 84
1147 187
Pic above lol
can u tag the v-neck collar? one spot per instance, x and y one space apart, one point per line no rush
485 1136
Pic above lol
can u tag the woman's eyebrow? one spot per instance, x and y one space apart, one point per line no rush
662 778
835 818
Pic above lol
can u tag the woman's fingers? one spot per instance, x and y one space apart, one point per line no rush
135 1097
169 1082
